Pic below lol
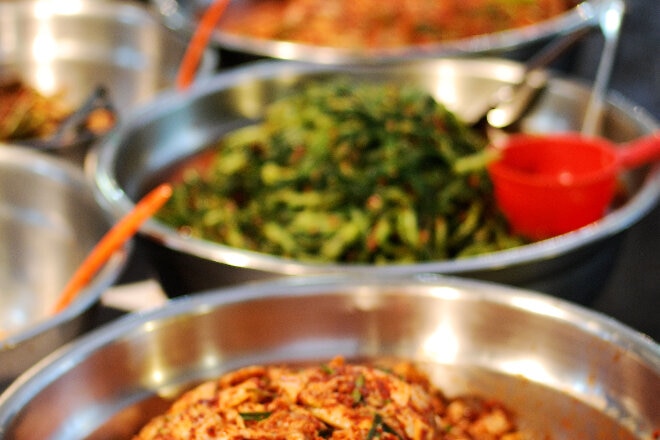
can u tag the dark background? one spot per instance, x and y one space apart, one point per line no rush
632 294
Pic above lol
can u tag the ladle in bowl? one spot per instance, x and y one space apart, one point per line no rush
547 185
509 102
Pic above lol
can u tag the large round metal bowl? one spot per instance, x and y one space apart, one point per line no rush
565 371
175 126
183 17
49 222
70 48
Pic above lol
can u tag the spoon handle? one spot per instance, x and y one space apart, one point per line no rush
507 103
610 25
111 241
640 151
199 42
511 109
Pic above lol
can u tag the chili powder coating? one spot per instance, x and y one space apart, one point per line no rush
383 23
337 400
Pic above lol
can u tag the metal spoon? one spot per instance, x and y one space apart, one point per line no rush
512 100
507 104
510 111
610 20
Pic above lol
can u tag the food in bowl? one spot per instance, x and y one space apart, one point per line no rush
346 172
388 400
381 24
28 114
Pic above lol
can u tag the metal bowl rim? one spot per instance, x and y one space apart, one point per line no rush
124 9
590 322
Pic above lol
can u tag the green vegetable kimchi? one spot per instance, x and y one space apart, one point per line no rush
351 173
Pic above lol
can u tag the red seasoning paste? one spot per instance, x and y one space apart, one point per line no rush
383 23
336 400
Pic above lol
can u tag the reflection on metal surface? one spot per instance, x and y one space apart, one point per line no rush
211 361
43 52
365 300
157 378
46 8
149 327
445 292
443 344
529 368
239 260
545 308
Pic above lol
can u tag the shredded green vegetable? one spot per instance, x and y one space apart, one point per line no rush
342 172
255 416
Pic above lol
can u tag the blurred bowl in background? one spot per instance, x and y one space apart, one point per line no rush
566 372
69 48
183 17
174 127
49 222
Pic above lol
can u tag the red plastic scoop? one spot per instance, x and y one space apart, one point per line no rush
552 184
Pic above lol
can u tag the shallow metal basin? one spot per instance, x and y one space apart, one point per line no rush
565 371
174 127
183 16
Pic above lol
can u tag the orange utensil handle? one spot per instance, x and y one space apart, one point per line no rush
198 43
111 241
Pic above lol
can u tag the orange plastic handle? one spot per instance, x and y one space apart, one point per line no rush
111 241
198 43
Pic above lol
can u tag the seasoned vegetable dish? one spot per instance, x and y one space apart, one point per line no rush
27 114
333 401
344 172
383 23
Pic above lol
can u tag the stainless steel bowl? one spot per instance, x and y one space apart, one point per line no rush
174 127
565 371
183 16
49 221
71 48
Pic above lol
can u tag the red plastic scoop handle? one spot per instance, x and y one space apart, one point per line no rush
640 151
